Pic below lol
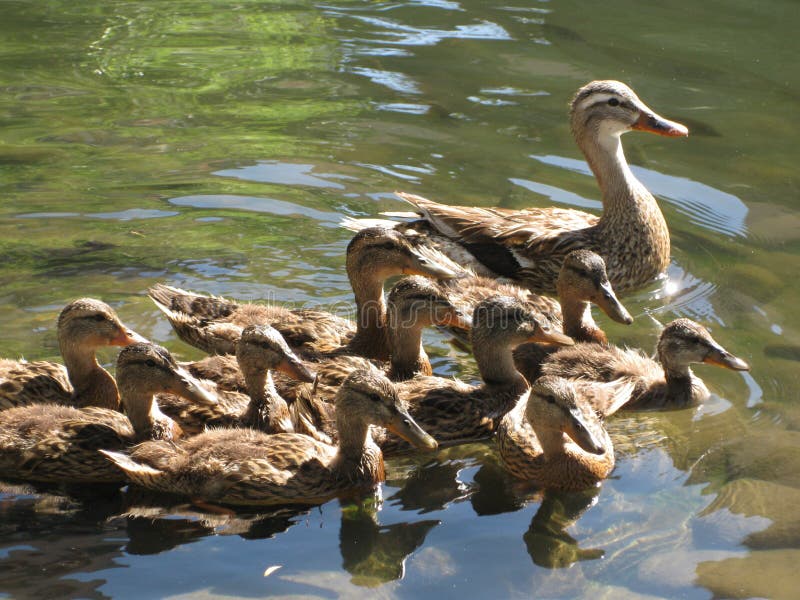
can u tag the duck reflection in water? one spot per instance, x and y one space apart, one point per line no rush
547 540
373 553
434 484
47 538
158 522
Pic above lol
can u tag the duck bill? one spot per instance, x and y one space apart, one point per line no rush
403 425
580 434
653 123
455 318
188 387
293 367
126 337
722 358
555 338
610 304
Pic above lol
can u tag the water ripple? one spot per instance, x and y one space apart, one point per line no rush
408 35
391 79
685 295
273 171
255 204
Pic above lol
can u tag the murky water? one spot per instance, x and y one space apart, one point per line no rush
215 145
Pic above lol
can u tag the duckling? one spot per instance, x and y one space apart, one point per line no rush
555 438
248 467
51 443
582 280
666 383
529 245
84 325
373 255
259 350
412 304
456 412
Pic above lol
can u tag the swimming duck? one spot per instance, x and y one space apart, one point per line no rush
582 281
248 467
529 245
84 325
664 383
457 412
413 303
260 350
50 443
554 437
373 255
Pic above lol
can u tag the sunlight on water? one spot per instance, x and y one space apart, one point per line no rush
217 147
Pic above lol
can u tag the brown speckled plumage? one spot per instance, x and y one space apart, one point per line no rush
259 351
84 325
530 245
413 303
456 412
49 443
666 383
582 281
214 324
554 438
239 466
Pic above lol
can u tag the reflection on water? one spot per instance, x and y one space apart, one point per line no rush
547 539
217 149
373 553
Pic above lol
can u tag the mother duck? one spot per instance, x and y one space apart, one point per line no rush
530 245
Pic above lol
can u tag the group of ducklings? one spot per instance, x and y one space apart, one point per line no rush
298 405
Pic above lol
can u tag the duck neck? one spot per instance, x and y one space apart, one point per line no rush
354 437
496 365
674 370
263 412
371 338
552 441
625 199
142 411
578 321
92 384
408 357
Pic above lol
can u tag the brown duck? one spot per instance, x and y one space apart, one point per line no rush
667 382
529 245
457 412
413 303
259 351
50 443
84 325
553 437
373 255
247 467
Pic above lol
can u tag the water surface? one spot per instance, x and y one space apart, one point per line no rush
215 145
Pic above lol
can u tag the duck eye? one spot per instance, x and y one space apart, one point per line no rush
150 362
613 102
99 318
374 397
550 399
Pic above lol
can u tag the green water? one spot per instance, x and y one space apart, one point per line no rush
215 145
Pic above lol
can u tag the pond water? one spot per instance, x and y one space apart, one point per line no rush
215 146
